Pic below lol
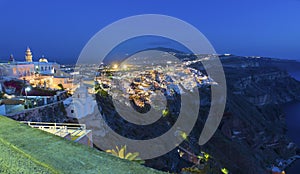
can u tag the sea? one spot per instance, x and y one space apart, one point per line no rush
292 113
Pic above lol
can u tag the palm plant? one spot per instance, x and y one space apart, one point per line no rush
121 153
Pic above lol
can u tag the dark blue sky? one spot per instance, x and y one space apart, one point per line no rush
59 29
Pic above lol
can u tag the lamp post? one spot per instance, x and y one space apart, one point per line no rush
27 89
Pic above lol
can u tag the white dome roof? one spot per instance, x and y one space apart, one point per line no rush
43 59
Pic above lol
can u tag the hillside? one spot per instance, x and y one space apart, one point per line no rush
27 150
252 134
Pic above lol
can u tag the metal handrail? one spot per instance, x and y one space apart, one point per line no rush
60 128
44 124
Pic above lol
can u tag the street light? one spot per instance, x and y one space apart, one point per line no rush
27 89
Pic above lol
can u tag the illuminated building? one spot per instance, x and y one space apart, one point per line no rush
44 67
40 73
28 55
28 68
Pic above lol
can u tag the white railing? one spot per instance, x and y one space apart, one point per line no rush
70 126
60 129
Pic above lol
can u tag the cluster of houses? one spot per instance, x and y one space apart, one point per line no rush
138 85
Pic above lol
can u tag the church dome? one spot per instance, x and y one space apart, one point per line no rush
43 59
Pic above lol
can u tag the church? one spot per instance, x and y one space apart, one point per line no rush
39 73
28 69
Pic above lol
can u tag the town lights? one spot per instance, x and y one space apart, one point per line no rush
124 66
115 66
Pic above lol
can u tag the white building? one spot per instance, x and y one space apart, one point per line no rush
17 69
28 68
44 67
83 103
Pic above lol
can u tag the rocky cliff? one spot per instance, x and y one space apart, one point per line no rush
252 134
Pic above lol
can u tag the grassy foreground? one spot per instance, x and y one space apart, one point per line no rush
27 150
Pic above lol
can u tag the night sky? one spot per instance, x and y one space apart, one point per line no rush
59 29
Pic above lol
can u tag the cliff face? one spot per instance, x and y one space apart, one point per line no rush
250 138
263 87
252 133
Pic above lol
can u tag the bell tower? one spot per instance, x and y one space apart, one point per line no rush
11 58
28 55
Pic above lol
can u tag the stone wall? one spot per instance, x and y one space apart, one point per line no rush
54 112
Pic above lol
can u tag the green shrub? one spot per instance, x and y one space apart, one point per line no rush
121 153
165 112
